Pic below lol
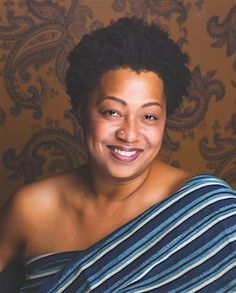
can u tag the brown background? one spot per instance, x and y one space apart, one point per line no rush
38 136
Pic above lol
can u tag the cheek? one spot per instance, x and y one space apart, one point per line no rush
98 129
154 131
154 136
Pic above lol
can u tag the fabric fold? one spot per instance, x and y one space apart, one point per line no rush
186 243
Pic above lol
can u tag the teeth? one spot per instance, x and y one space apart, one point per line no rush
124 153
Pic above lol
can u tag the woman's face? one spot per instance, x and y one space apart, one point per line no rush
125 123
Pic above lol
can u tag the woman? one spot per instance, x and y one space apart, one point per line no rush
124 222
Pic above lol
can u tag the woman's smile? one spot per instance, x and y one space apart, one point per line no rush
124 154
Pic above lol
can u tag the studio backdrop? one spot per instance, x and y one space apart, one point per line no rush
39 136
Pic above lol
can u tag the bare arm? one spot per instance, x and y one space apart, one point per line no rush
11 230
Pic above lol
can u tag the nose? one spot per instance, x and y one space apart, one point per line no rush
129 131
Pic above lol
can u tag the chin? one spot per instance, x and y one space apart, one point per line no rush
123 173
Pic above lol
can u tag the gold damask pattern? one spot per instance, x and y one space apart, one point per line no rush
221 156
223 32
38 135
63 149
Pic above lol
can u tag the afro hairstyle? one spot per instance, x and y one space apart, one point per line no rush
129 42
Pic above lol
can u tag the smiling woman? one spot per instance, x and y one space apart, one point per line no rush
124 221
127 115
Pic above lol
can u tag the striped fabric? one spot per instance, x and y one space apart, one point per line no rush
186 243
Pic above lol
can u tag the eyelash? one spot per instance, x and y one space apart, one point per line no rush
150 117
110 112
114 113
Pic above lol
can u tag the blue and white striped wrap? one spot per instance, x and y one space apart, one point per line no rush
186 243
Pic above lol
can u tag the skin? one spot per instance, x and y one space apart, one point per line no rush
124 126
132 103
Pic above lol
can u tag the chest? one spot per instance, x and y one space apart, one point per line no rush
75 229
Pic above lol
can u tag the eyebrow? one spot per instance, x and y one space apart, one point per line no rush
125 104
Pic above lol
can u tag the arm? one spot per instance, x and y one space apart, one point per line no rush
31 214
11 236
11 244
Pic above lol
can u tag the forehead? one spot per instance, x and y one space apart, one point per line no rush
126 83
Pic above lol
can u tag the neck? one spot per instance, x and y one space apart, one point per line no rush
114 190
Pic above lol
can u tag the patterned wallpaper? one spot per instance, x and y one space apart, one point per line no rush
39 137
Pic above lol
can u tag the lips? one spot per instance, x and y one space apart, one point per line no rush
124 154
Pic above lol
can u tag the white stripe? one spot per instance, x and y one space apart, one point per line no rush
220 274
173 252
107 276
190 267
39 257
48 273
111 247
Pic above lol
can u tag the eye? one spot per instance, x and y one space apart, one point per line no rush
150 117
110 113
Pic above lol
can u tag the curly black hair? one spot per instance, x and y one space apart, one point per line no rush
127 42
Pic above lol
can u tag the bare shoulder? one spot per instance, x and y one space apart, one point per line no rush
170 179
45 195
30 210
35 195
176 173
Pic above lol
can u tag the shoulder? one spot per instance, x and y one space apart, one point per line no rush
208 204
214 202
32 209
209 186
209 182
44 195
35 195
28 203
38 200
169 173
168 178
211 197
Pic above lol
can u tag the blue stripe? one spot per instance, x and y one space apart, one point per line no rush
175 246
147 242
184 264
161 254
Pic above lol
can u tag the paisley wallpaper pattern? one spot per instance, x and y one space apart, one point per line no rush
39 137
